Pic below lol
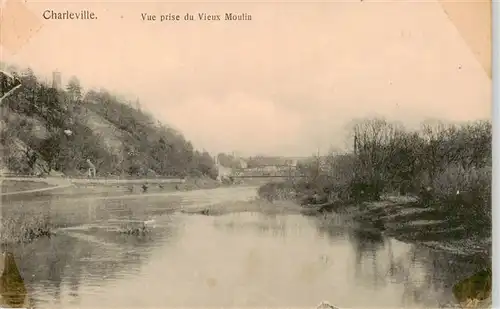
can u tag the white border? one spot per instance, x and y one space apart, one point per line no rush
496 150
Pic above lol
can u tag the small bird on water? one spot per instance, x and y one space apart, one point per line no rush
149 222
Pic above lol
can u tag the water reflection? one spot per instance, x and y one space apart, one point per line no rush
237 260
263 224
367 246
87 251
426 276
91 259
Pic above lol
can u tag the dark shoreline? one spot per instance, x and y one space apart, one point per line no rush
405 219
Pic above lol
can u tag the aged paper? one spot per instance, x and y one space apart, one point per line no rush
255 154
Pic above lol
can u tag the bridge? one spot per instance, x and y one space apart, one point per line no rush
267 176
268 171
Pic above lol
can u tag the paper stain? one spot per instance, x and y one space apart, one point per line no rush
17 25
472 19
12 289
211 282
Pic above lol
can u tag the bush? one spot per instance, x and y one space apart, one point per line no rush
277 191
465 193
447 165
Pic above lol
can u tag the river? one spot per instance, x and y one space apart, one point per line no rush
234 260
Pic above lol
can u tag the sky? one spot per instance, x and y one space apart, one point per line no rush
285 83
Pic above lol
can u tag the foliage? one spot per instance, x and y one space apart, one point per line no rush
149 148
228 160
450 161
447 165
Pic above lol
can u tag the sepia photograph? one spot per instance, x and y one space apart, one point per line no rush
246 154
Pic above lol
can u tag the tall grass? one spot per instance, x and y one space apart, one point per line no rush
24 227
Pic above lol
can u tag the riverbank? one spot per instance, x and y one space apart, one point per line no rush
40 221
406 219
98 186
39 215
398 217
138 186
454 224
402 218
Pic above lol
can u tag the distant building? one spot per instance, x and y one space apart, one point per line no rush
56 80
270 169
243 164
222 172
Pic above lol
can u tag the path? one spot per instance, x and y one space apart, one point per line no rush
55 182
60 182
124 181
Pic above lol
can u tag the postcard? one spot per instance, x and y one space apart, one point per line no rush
245 154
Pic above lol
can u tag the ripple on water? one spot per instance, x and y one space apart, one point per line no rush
244 259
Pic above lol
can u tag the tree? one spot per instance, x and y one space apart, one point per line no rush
30 88
50 149
370 139
206 165
159 152
74 89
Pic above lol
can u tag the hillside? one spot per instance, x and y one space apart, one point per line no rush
44 129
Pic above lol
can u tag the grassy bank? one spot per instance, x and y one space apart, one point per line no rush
408 220
24 227
26 223
431 185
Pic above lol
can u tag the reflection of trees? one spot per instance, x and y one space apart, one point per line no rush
264 224
92 254
366 245
428 276
47 262
333 227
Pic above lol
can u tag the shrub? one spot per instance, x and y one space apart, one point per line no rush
447 165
